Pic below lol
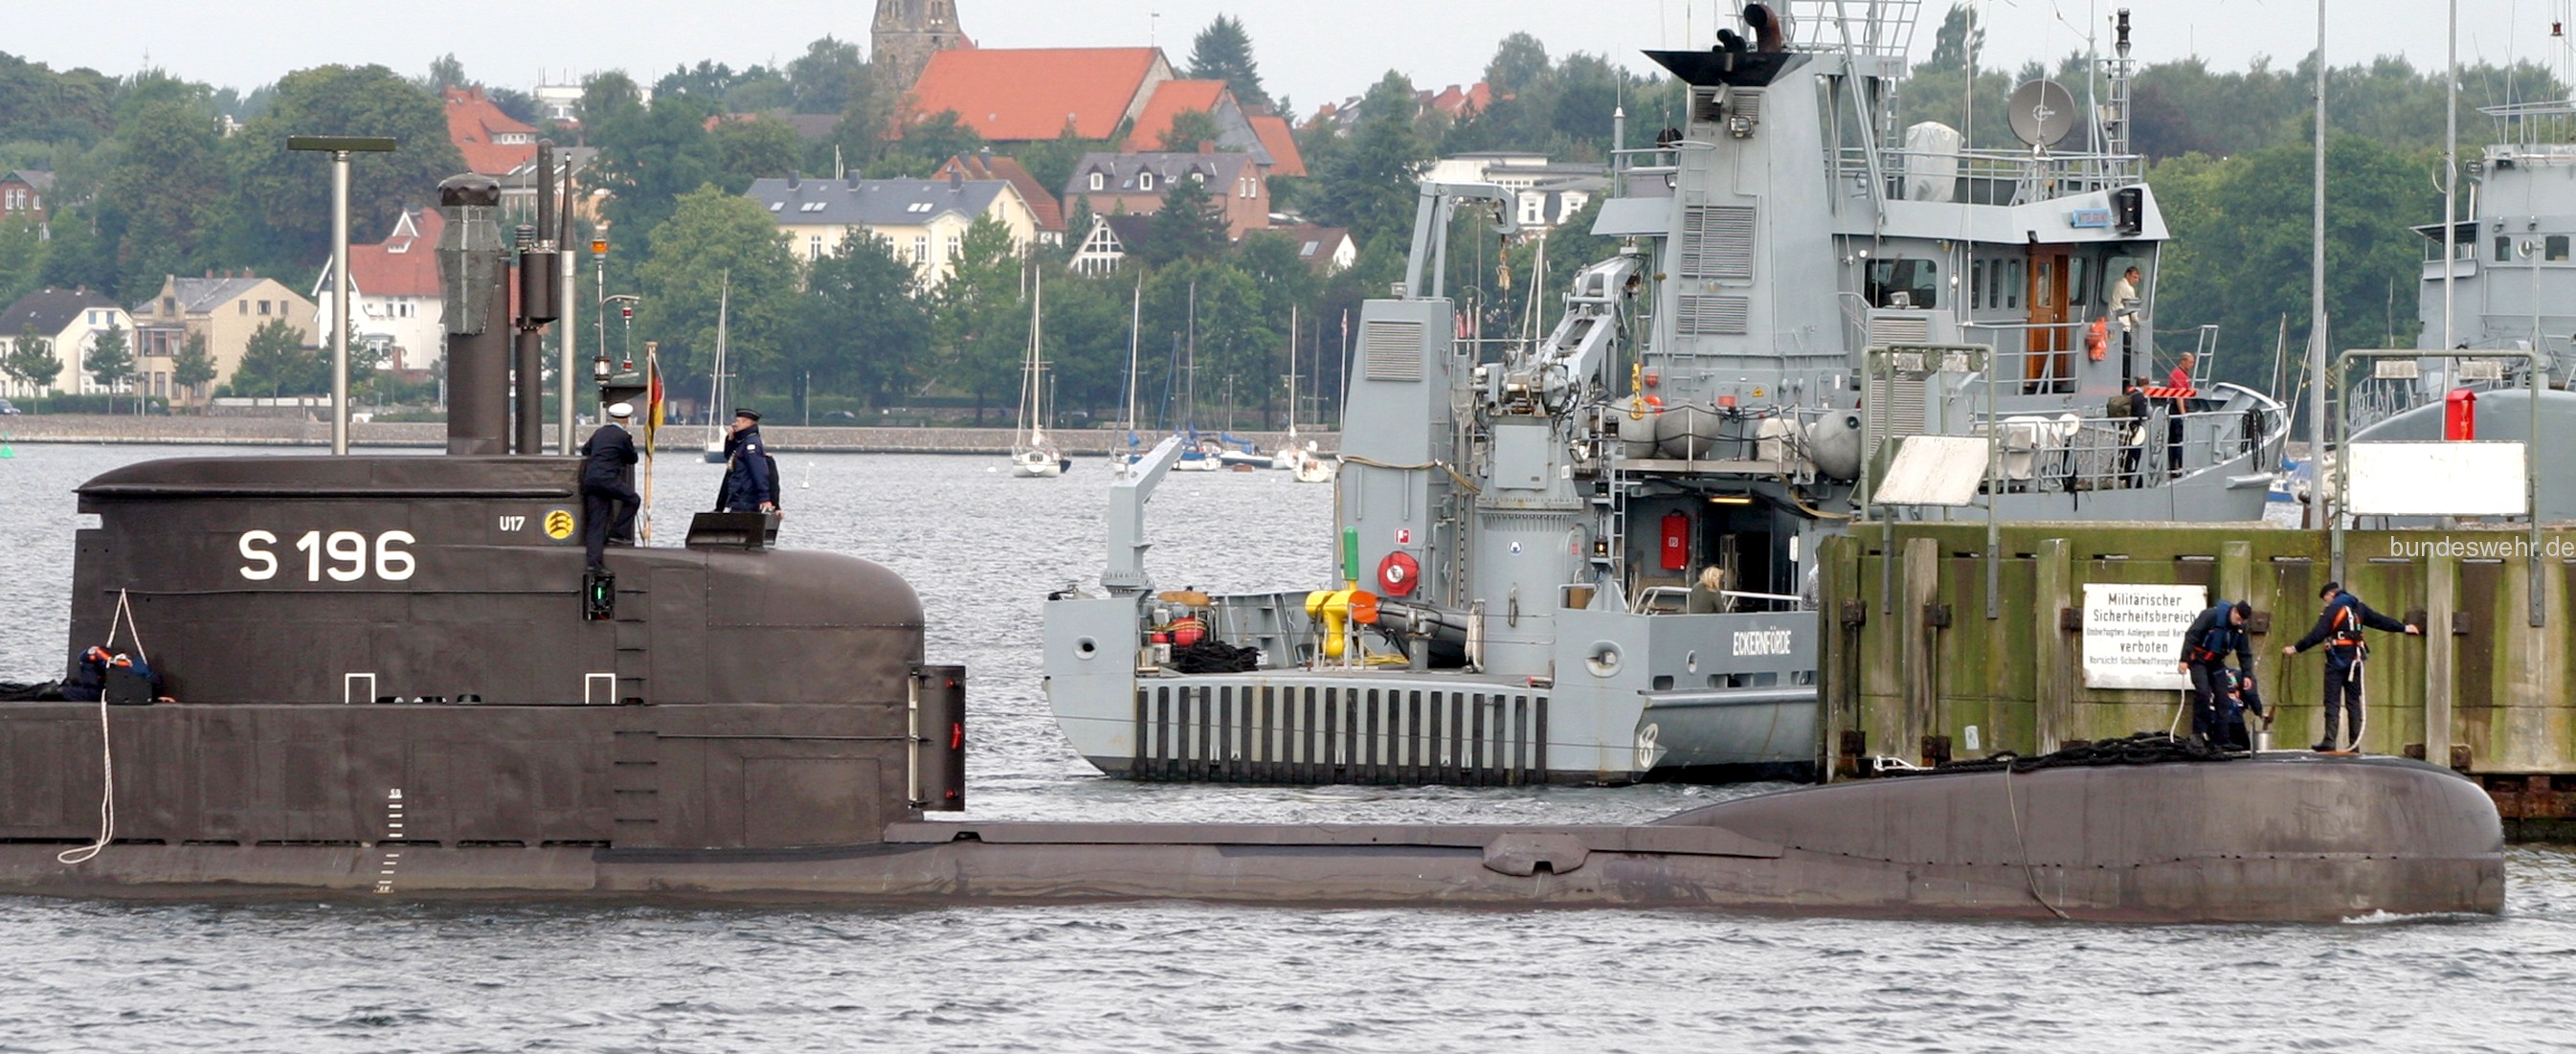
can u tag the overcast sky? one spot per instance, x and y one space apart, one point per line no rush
1314 51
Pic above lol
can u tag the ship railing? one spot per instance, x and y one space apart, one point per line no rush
1879 28
2066 452
1989 177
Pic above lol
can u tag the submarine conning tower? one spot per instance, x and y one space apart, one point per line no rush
382 649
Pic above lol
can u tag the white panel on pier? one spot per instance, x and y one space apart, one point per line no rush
2436 479
1933 470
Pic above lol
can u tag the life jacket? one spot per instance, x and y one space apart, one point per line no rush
2211 647
2345 631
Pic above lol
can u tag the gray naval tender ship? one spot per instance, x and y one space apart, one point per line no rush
1804 295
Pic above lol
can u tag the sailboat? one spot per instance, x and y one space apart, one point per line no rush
1033 455
1299 458
715 450
1198 453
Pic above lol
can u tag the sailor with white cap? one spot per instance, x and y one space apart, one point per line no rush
608 501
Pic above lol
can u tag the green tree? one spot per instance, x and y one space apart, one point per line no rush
31 360
1189 129
1189 226
166 189
275 364
1369 185
2240 250
1959 37
925 144
714 238
1223 52
193 367
759 148
22 258
983 323
826 76
110 361
861 327
444 73
280 211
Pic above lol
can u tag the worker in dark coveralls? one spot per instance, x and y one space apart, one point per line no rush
749 483
2216 634
608 500
2339 629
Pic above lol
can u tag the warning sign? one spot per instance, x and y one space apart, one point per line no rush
2133 634
559 524
1404 536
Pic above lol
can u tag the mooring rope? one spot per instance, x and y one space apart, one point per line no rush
124 618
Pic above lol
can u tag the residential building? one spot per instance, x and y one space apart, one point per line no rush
1326 249
393 292
1135 184
1549 191
1259 133
1110 239
519 190
494 143
22 196
223 309
1023 95
1044 209
907 33
73 320
560 103
924 219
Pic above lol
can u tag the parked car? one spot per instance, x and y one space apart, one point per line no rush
6 408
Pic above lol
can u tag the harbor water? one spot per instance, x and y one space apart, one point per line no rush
983 549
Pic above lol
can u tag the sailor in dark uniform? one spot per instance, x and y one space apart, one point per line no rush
608 500
2216 634
750 483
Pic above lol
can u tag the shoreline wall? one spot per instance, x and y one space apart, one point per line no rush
264 431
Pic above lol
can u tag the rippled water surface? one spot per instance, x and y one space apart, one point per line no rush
983 549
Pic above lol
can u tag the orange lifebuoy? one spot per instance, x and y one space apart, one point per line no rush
2097 339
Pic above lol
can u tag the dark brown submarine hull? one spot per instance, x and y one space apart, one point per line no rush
2276 839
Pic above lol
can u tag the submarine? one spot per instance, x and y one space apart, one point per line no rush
391 677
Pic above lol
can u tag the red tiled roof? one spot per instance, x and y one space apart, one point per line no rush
1025 94
402 265
1282 144
1170 100
474 123
1042 204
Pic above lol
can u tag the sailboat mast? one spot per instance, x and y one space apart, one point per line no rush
1135 321
715 384
1292 372
2317 304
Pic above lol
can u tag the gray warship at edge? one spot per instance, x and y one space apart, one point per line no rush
1529 488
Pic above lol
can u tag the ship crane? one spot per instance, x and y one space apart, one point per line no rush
1557 376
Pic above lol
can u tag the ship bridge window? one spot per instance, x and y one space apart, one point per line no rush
2504 249
1904 283
2556 248
2078 283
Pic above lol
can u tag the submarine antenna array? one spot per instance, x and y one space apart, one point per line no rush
340 147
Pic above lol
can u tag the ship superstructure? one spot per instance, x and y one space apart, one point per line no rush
1582 559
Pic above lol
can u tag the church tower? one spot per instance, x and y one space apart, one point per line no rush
907 33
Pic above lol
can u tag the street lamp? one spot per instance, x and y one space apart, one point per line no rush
340 147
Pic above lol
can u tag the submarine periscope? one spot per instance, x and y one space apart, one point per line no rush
384 677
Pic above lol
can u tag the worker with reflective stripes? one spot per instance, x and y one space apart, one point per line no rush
2339 629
